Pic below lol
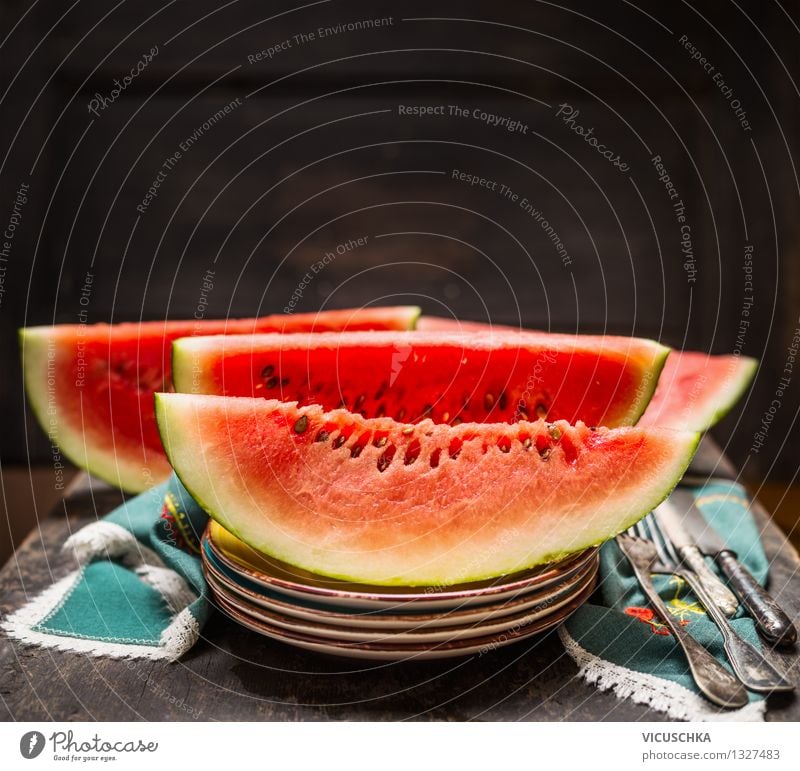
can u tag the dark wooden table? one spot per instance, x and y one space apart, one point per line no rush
234 674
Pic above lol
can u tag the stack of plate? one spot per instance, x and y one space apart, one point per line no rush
389 623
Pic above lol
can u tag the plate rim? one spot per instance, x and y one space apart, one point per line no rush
544 577
455 648
398 621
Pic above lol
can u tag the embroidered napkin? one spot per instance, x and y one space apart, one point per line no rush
138 591
621 646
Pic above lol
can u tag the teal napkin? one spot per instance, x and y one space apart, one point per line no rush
620 645
138 590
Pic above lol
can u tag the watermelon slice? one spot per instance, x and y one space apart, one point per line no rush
91 386
696 390
378 501
448 377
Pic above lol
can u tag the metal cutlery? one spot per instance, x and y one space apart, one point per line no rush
713 680
749 665
770 619
670 519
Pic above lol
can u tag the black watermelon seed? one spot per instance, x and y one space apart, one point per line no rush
541 410
285 381
356 451
339 441
380 442
272 382
381 411
412 452
385 459
267 371
323 436
359 401
545 454
503 401
301 424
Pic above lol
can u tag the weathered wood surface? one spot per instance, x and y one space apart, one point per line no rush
234 674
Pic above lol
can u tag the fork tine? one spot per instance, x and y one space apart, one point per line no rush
669 547
650 526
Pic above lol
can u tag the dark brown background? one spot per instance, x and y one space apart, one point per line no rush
317 154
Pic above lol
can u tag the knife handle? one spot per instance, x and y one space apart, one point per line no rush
724 599
772 622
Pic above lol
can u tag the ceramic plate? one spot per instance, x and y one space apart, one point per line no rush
253 595
299 584
423 633
410 652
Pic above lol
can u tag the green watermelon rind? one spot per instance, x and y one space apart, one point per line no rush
110 467
680 465
735 391
653 374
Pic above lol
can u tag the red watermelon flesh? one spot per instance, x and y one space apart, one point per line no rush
696 390
376 501
447 377
91 385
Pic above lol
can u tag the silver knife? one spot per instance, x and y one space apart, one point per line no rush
770 619
670 515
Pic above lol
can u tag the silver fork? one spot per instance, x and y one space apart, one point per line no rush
750 666
713 680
